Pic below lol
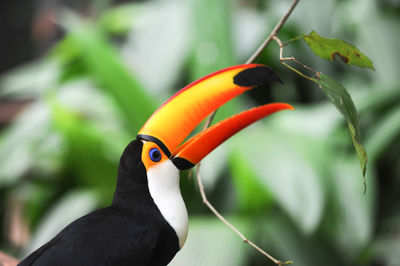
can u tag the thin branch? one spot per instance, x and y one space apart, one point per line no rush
209 120
257 53
293 40
208 123
297 71
222 218
273 33
283 59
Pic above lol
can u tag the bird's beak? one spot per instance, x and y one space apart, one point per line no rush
176 118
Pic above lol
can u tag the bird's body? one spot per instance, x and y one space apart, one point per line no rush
147 222
110 236
132 231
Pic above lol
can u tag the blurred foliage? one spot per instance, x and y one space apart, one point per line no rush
291 182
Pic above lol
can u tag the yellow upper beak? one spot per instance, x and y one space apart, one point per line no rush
177 117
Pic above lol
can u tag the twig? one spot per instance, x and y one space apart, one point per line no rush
222 218
208 123
273 33
257 53
283 59
293 40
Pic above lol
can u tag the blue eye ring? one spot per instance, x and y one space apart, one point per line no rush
155 155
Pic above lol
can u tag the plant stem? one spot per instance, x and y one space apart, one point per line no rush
298 72
293 40
283 59
222 218
273 33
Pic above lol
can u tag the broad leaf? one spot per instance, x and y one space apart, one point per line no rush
212 47
283 170
20 144
87 154
339 96
252 195
89 51
158 44
328 49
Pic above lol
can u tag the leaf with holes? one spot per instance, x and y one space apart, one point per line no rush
339 96
329 49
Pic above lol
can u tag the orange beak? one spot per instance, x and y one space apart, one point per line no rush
176 118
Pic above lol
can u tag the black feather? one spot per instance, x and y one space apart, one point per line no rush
131 231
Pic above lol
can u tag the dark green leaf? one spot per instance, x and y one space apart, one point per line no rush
384 133
328 49
87 158
282 239
339 96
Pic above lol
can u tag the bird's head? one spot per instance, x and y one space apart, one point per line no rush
158 154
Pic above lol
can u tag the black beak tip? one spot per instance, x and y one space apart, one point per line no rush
182 164
257 76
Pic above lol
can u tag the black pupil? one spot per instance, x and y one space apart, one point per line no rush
155 154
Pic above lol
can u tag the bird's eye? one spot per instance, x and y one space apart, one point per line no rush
155 155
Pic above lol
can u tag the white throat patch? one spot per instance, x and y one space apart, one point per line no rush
163 180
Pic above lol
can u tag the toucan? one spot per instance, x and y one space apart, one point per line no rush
146 223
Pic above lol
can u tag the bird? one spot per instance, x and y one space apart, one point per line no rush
146 223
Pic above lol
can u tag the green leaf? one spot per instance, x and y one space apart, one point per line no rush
212 46
119 20
19 142
89 49
252 195
339 96
29 80
87 156
284 170
159 44
328 49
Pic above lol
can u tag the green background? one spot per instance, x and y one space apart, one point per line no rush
291 182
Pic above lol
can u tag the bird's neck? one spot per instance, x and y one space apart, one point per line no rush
132 192
163 182
156 192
